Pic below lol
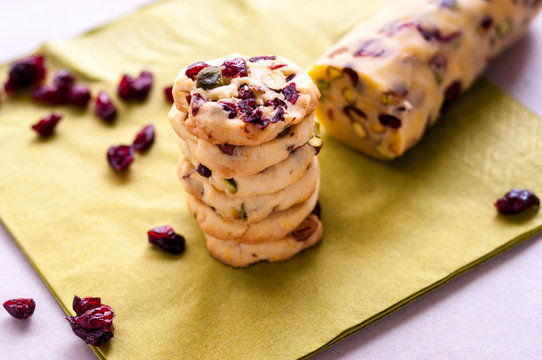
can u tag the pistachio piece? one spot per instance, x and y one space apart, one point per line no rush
239 213
334 73
323 85
275 80
305 229
347 94
232 186
316 143
358 129
210 78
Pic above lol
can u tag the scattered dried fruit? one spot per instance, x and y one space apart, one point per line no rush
290 93
104 107
204 171
120 157
49 94
516 201
94 325
63 80
245 92
226 148
389 121
230 108
26 72
196 101
20 308
258 58
166 238
434 34
79 95
352 74
168 93
144 138
193 69
290 77
371 48
450 95
46 126
305 229
235 67
135 89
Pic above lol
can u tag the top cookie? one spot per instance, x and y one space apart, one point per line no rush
241 100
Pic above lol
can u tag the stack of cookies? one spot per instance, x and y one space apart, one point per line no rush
247 134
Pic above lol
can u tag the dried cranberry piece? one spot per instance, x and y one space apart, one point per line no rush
277 66
82 305
317 209
349 109
235 67
49 94
245 92
279 115
352 74
290 93
94 326
371 48
63 80
276 102
144 139
193 69
394 27
20 308
516 201
168 93
226 148
166 238
135 89
450 95
204 171
389 121
447 4
196 101
434 34
257 117
104 107
46 126
305 229
290 77
258 58
486 23
230 108
438 60
25 72
79 95
120 157
247 106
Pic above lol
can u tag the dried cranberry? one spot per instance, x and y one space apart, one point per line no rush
256 117
25 72
204 171
193 69
166 238
63 80
144 139
230 108
434 34
448 4
245 92
317 209
79 95
349 109
305 229
235 67
277 66
352 74
120 157
450 95
226 148
168 93
290 77
389 121
20 308
196 101
279 115
516 201
290 93
82 305
135 89
94 326
258 58
276 102
394 27
49 94
486 23
438 60
104 107
46 126
371 48
246 106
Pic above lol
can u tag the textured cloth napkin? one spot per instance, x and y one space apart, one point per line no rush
393 230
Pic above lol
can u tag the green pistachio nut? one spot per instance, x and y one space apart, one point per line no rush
232 186
210 78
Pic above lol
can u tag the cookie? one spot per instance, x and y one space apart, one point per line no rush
275 226
230 160
267 181
247 209
240 100
241 254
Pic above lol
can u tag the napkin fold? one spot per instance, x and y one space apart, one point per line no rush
393 230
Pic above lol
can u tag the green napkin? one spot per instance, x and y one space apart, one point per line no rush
393 231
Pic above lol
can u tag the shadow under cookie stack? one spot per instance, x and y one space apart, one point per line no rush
247 134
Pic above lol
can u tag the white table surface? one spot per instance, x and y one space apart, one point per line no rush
492 312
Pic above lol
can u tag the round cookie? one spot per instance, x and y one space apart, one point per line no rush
231 160
267 181
241 255
275 226
247 209
239 100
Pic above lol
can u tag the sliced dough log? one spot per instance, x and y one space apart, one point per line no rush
275 226
241 254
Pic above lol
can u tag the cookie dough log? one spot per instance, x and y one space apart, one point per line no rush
239 100
391 77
